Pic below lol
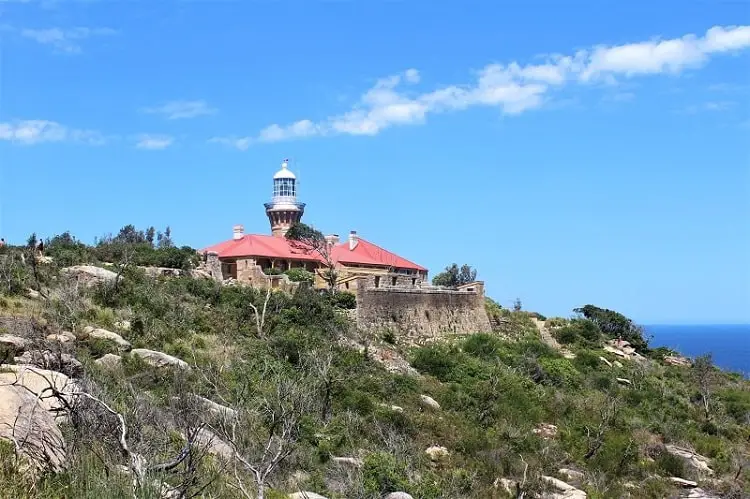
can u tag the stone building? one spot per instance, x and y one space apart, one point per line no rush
246 258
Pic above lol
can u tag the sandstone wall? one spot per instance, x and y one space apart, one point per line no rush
420 313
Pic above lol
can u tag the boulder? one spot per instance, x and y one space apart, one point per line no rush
677 360
681 482
216 410
158 359
109 360
394 408
32 429
571 475
55 361
41 383
545 430
214 445
700 463
617 364
624 381
398 495
89 275
306 495
61 337
103 334
33 294
562 490
429 402
605 361
506 484
14 343
698 493
437 452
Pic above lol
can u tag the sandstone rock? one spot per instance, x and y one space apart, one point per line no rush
617 364
103 334
15 343
698 493
571 475
32 429
348 461
429 402
682 482
216 410
214 445
562 490
306 495
394 408
46 359
700 463
109 360
436 452
677 360
61 337
33 294
506 484
605 361
624 381
545 430
616 351
89 275
159 359
398 495
41 383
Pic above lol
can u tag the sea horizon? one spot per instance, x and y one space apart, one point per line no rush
729 344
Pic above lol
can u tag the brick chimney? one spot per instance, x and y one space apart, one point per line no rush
353 240
332 239
239 232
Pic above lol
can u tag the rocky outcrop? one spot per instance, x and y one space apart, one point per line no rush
622 349
55 361
306 495
698 493
89 275
562 490
158 359
214 445
103 334
696 461
15 344
31 428
109 361
61 337
677 360
681 482
545 430
429 402
216 410
398 495
352 462
42 383
437 453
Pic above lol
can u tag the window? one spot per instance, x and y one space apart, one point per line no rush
284 187
377 281
393 280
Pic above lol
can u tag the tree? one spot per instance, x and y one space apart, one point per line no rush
517 306
309 240
703 374
165 240
615 325
150 234
130 235
453 276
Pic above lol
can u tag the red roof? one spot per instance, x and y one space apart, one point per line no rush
265 246
364 253
367 253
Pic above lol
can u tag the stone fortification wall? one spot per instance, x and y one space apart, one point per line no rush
420 313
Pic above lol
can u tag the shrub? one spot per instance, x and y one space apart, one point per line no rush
343 299
560 372
382 474
300 275
484 346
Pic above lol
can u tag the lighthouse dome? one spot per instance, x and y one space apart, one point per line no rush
284 172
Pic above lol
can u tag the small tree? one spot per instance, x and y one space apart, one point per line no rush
454 276
517 306
703 374
310 240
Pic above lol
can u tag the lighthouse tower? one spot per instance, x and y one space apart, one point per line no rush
284 211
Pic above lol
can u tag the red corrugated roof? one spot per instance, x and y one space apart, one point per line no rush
367 253
265 246
364 253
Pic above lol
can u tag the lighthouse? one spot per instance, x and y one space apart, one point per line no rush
284 211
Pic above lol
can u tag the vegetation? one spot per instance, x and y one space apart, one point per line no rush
312 241
453 276
308 389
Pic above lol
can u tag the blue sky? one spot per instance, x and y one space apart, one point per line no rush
591 152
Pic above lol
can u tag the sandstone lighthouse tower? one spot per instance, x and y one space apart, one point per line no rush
284 211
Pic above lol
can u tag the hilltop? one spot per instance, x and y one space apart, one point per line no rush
124 372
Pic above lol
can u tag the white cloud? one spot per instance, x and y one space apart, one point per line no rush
176 110
241 143
30 132
65 40
512 88
154 142
710 106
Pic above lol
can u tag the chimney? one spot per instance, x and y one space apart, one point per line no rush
239 232
353 240
332 239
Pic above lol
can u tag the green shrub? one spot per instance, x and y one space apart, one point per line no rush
560 372
383 474
484 346
300 275
343 299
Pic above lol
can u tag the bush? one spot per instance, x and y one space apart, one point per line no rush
343 299
300 275
383 474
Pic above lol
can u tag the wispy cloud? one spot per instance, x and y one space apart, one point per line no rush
241 143
512 88
65 40
709 106
29 132
176 110
154 142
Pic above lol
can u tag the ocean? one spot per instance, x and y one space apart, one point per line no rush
729 344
